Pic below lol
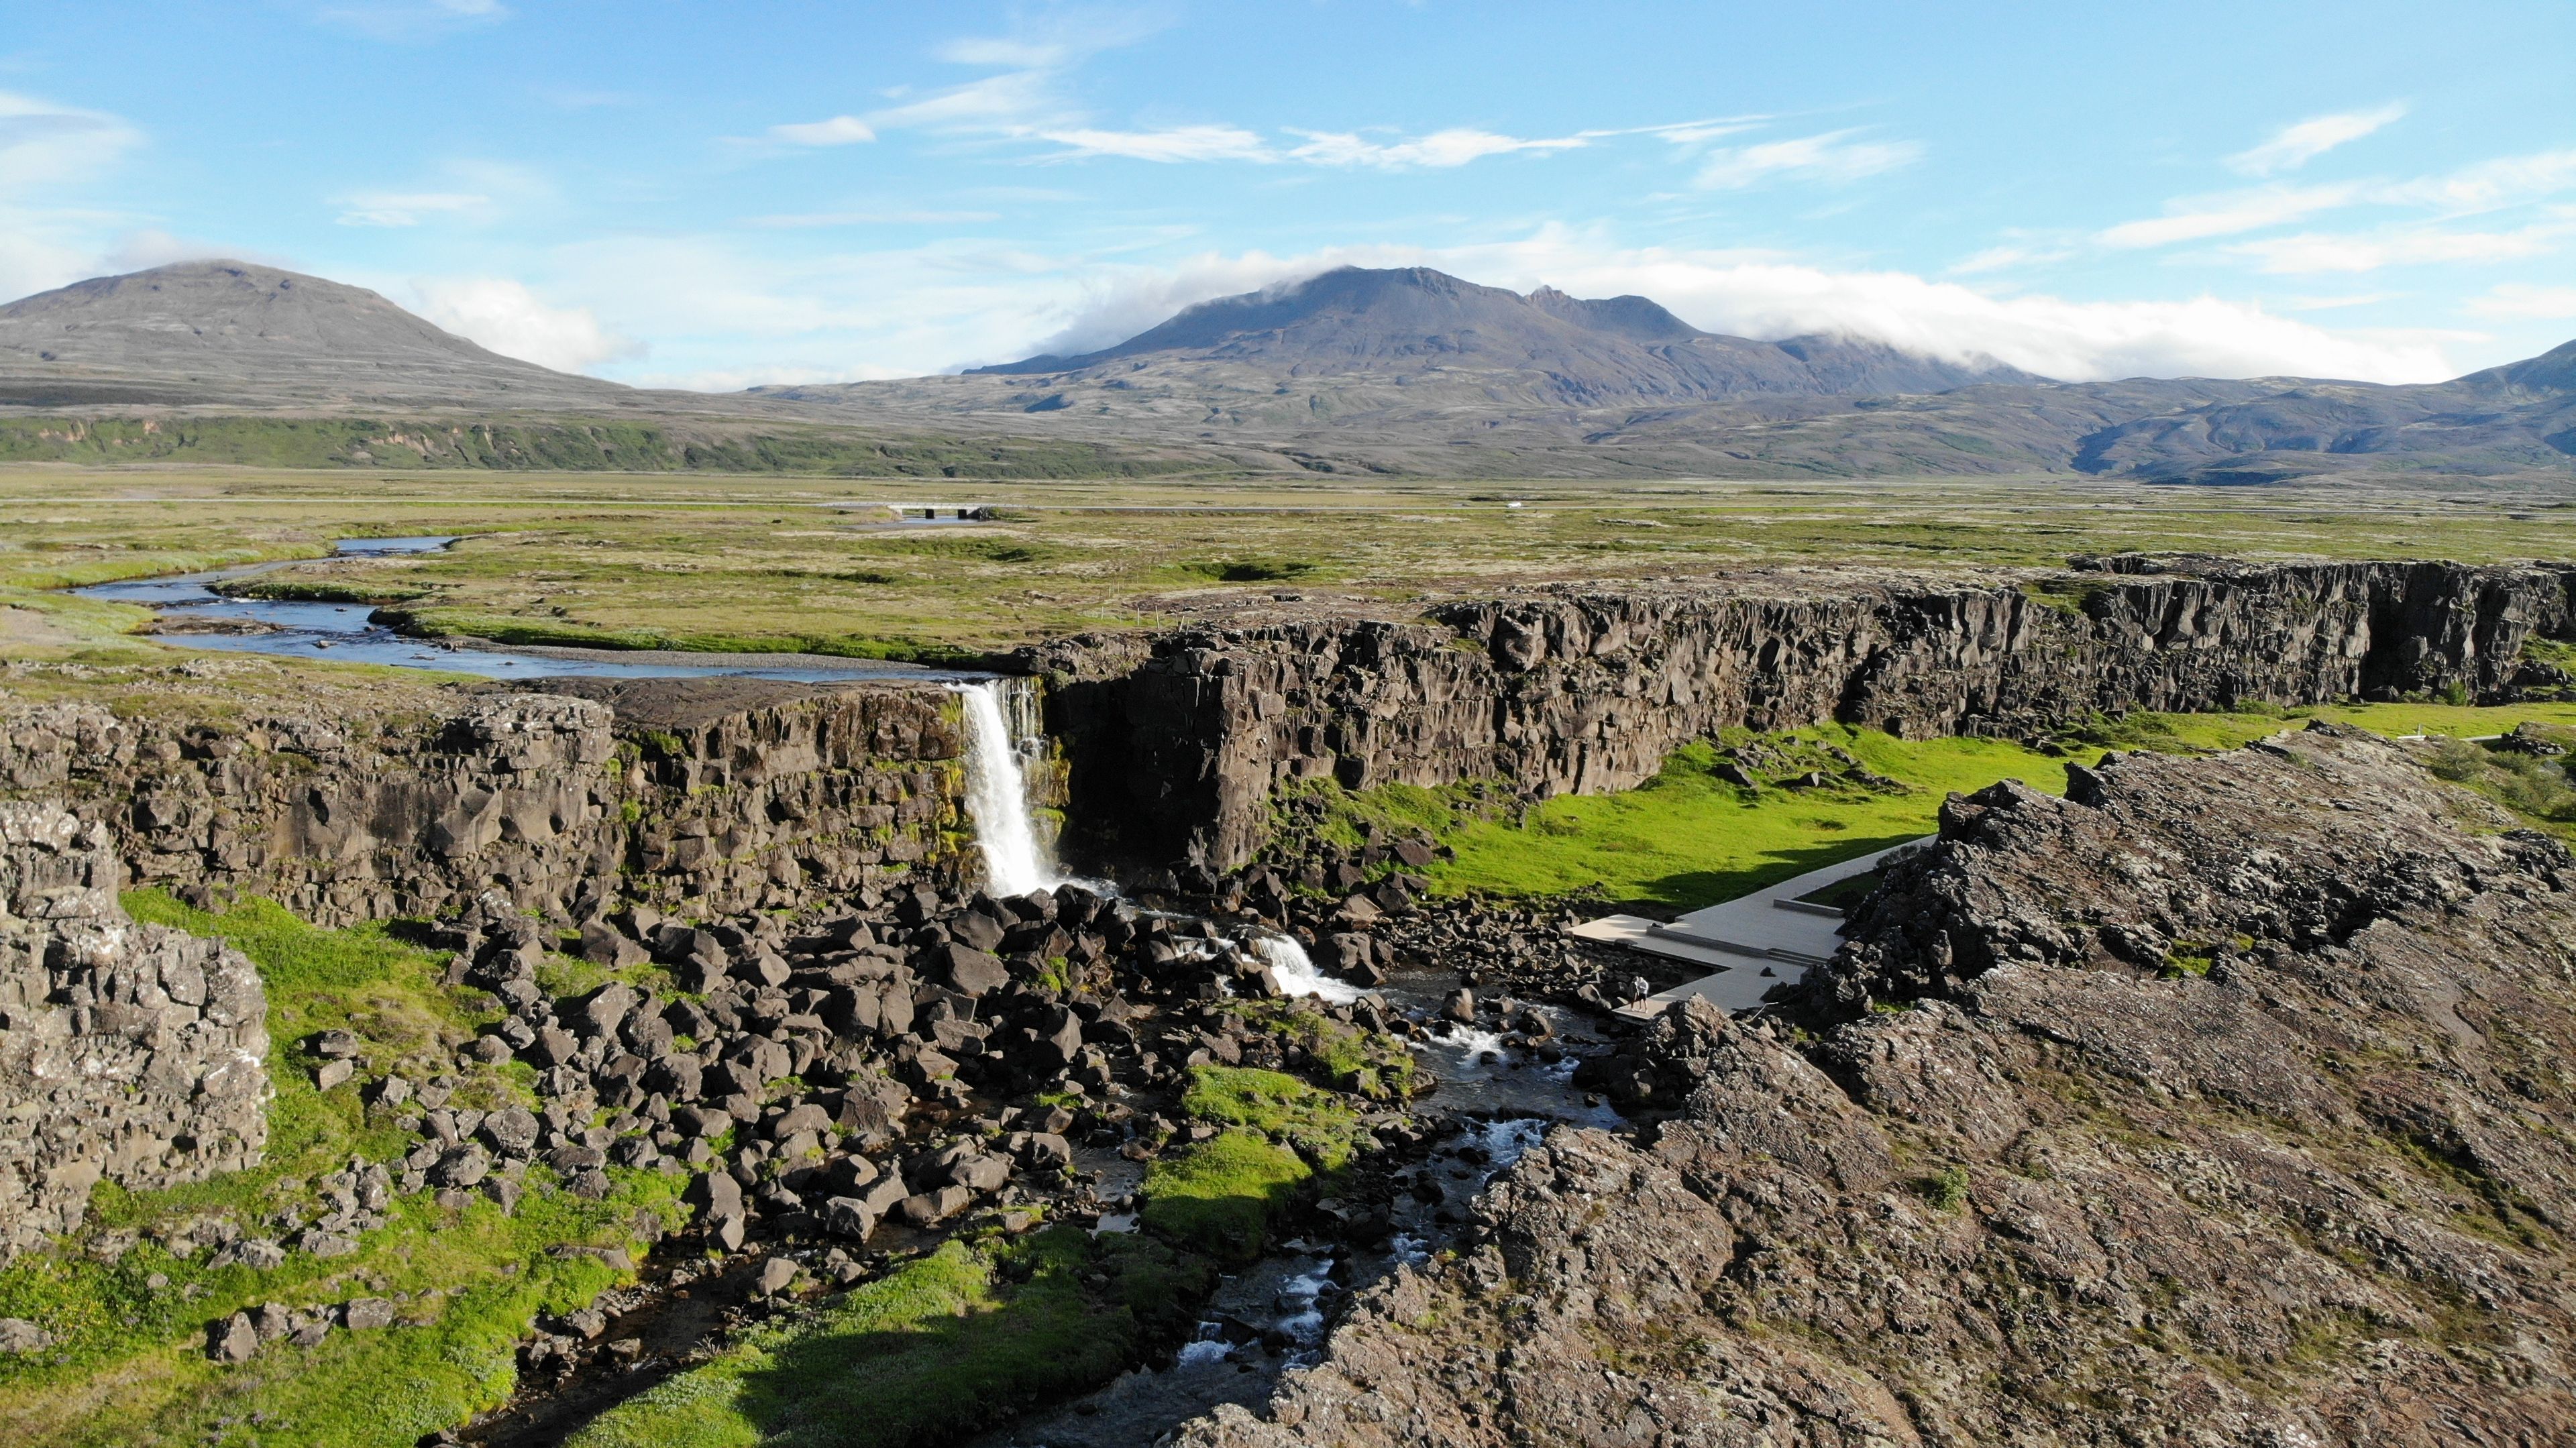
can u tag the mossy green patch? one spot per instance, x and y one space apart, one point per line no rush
127 1365
1693 836
936 1349
1221 1195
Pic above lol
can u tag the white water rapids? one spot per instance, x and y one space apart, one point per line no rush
997 798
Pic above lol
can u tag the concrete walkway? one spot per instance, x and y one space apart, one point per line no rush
1750 944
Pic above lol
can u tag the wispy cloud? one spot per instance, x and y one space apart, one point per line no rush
838 131
1453 147
1026 103
2525 301
2492 185
475 191
2312 253
1176 143
2198 218
2489 185
812 220
2009 256
41 141
1833 157
412 19
406 208
2296 145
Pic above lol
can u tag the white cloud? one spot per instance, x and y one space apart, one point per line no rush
412 19
811 220
2070 340
2524 300
43 142
1178 143
2488 185
150 247
2008 256
2330 304
406 208
508 318
838 131
1832 157
1453 147
2296 145
2200 217
2311 253
1015 54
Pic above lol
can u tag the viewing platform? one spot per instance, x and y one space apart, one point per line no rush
1750 944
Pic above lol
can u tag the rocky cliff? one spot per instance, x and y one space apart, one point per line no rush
720 795
128 1053
2225 1101
1177 743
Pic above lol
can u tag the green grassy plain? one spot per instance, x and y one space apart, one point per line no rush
790 563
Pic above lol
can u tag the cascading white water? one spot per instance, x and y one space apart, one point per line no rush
997 798
1296 972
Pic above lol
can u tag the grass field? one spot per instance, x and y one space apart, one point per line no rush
1688 837
793 563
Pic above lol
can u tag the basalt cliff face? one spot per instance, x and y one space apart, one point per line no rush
128 1053
723 795
2225 1100
1177 743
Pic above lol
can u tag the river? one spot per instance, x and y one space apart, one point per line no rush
348 633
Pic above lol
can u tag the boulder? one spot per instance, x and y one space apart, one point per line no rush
849 1217
232 1340
365 1314
967 970
604 944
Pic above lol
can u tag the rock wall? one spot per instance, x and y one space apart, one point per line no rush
2231 1106
709 796
129 1053
1177 743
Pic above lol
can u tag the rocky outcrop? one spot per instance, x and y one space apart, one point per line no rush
128 1053
1177 744
2223 1100
720 795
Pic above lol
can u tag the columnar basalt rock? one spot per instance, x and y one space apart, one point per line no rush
567 796
1177 746
128 1053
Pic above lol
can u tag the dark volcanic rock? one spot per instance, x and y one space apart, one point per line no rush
2231 1105
128 1053
1176 744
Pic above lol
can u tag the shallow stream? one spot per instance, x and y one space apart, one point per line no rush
345 631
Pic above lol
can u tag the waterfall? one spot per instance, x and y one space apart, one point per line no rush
997 797
1296 973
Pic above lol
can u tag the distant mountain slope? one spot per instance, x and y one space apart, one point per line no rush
2522 415
1406 371
227 332
1414 322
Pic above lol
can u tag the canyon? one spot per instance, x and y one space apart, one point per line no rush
885 1015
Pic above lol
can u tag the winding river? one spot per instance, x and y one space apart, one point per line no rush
346 632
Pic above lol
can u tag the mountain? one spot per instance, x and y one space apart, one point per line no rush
1405 371
236 334
1420 324
1414 371
2519 415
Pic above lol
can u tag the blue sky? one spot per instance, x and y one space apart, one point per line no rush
713 196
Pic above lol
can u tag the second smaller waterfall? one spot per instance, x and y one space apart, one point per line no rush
997 798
